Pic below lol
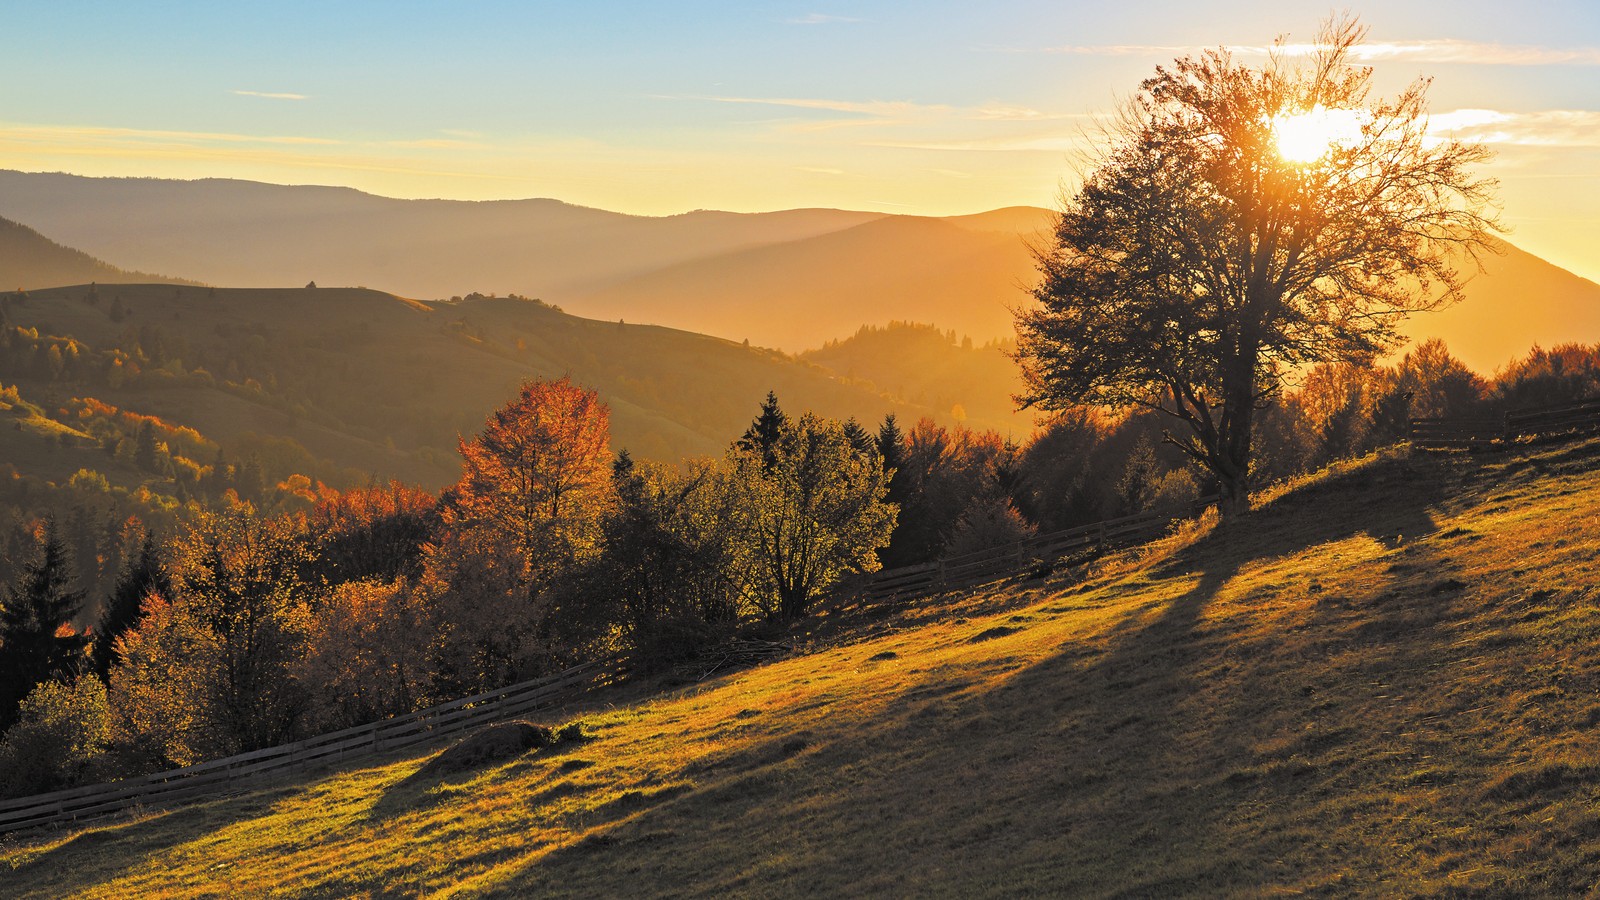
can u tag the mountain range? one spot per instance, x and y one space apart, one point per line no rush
793 279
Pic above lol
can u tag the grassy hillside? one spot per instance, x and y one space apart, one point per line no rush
376 383
30 260
1383 683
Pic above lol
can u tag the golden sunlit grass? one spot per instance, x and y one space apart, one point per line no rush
1383 683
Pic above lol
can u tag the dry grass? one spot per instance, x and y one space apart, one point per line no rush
1387 682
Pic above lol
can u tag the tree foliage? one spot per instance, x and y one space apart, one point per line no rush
1197 265
37 639
526 514
814 507
207 673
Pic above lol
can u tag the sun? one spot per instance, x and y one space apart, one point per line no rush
1307 137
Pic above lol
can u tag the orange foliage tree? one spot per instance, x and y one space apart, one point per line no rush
534 487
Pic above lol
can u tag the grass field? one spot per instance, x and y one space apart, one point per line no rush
1387 681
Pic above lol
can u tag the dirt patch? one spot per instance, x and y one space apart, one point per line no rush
989 634
497 743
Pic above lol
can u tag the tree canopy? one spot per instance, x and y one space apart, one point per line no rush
1246 222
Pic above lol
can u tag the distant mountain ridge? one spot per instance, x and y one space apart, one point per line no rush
29 260
793 279
250 234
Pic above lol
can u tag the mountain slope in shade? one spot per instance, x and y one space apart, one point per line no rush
802 293
1519 300
29 260
249 234
372 382
921 364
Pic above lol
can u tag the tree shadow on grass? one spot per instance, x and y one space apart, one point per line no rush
103 851
1187 729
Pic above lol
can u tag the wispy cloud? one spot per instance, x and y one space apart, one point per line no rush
879 108
1547 128
819 19
271 95
1436 51
902 109
60 132
437 144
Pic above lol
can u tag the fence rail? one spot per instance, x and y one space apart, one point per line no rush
966 570
222 776
1488 432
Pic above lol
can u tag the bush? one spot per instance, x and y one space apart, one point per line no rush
59 740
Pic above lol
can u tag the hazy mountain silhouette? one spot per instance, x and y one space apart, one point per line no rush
248 234
30 260
1518 301
792 279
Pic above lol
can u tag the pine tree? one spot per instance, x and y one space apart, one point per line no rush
891 443
142 576
858 437
44 599
765 432
144 453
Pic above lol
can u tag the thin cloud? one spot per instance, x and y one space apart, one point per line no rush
58 132
903 109
819 19
1546 128
881 108
271 95
1438 51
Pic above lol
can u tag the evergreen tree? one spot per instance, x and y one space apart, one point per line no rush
765 432
44 599
144 453
142 576
891 443
858 437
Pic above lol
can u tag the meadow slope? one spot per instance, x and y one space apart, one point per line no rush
1386 681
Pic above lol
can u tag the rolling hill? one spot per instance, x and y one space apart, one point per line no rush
29 260
792 279
799 294
1519 300
248 234
1382 683
369 382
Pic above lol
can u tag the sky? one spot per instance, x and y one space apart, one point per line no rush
929 108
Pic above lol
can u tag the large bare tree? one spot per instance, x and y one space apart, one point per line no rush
1243 222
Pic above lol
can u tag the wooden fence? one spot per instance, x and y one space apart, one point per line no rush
988 565
1488 432
234 773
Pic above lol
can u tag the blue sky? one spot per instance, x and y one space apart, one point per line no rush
931 108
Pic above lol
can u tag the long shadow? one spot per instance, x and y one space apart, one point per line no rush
1185 726
102 851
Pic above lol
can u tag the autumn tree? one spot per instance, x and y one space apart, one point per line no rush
142 575
371 534
534 487
208 671
813 509
59 739
366 655
1215 249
